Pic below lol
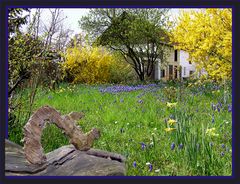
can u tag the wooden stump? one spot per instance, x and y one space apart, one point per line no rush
64 161
76 159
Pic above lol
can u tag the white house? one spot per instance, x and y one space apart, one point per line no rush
178 66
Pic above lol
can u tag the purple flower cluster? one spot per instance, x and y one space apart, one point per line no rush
122 88
172 146
143 145
219 106
230 108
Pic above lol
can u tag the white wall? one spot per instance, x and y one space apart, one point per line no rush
184 62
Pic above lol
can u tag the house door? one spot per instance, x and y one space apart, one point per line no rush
170 72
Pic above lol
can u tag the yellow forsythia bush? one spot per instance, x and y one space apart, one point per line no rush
88 64
207 36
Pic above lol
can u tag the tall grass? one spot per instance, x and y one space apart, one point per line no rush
133 124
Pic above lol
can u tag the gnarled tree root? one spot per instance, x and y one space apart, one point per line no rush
33 131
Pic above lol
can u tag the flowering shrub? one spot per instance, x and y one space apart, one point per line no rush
88 64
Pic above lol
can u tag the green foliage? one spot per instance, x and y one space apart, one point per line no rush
140 35
27 59
22 52
15 19
121 71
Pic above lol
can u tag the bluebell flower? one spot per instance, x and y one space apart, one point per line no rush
150 167
223 145
213 107
50 97
143 145
220 104
121 100
140 101
222 154
229 108
180 146
213 120
172 146
134 164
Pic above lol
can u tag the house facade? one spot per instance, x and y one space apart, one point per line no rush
178 66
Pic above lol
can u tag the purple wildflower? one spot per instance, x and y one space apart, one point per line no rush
50 97
214 107
222 153
172 146
229 108
121 100
180 146
211 144
213 120
150 167
223 145
140 101
143 145
220 104
121 88
134 164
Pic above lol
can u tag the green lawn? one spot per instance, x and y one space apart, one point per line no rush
134 124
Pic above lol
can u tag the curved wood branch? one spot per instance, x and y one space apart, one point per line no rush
33 131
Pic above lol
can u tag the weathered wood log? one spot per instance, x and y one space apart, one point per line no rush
64 161
33 131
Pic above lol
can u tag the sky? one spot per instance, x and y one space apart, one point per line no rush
73 15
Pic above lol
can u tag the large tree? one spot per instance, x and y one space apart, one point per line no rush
140 35
207 35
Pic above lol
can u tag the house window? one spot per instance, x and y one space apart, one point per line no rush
175 55
190 62
184 70
162 73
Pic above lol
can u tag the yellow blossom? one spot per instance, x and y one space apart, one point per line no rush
171 104
211 132
172 122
